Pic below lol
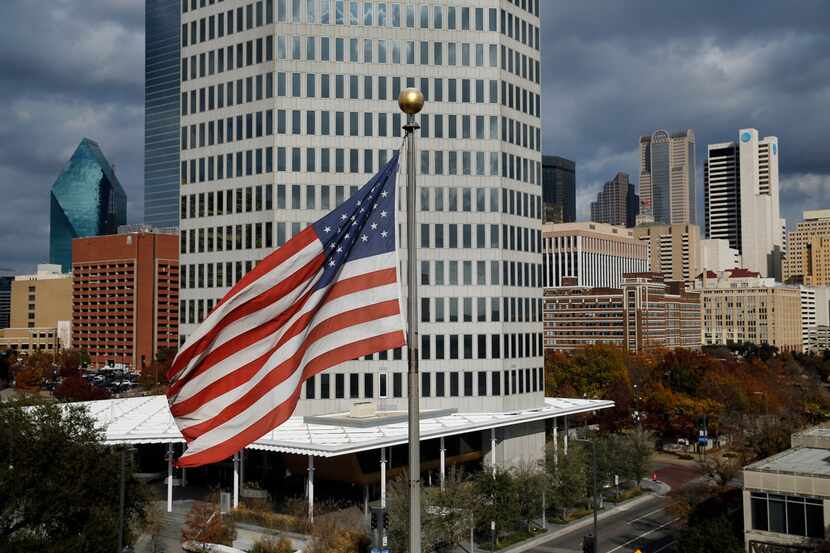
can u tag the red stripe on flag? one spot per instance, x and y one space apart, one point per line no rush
282 412
280 373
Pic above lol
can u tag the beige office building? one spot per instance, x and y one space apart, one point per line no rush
673 250
40 304
808 250
595 254
741 306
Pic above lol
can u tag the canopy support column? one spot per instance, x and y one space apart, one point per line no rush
493 450
236 480
565 439
555 441
170 477
383 478
443 463
311 488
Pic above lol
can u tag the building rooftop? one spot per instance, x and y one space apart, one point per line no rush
799 460
147 419
816 214
588 226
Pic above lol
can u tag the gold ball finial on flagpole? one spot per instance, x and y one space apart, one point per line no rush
411 101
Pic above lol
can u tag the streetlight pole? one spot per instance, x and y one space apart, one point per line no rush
594 481
411 101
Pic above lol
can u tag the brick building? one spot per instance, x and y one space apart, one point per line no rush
125 296
644 314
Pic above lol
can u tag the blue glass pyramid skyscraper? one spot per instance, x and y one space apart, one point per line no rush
86 200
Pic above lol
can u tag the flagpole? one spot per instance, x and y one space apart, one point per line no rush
411 101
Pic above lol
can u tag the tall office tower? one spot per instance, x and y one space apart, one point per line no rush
289 106
125 295
559 188
741 199
162 22
667 177
86 200
5 300
616 204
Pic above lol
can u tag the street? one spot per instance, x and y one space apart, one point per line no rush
646 526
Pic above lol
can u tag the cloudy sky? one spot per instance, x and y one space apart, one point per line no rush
612 71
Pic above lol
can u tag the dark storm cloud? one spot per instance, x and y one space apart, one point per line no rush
615 70
611 72
70 69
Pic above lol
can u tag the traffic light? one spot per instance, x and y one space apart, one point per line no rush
589 544
375 518
385 520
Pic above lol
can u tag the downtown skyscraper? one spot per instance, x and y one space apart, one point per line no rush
162 24
741 199
617 203
667 177
558 189
289 106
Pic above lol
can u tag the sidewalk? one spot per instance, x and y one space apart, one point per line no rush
656 489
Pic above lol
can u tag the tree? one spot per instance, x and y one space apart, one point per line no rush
722 469
58 483
448 517
75 388
397 505
28 379
567 476
636 450
154 375
69 362
494 501
204 525
710 535
42 363
529 480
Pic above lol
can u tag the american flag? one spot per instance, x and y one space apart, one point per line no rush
329 295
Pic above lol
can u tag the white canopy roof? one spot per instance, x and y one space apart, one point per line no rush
145 420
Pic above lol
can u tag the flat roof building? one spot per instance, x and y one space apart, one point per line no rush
40 303
646 313
786 497
126 296
595 254
741 306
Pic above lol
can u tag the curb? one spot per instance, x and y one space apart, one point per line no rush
582 523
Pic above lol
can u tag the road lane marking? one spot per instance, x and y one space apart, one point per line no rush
644 534
665 546
646 515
